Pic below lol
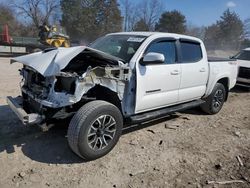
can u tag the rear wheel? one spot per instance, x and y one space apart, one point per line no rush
215 100
95 129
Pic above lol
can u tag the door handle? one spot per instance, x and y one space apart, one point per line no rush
202 70
175 72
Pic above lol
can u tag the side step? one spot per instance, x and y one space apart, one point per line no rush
142 117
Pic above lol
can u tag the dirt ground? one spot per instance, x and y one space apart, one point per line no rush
188 149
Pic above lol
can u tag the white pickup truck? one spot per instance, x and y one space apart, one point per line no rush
121 78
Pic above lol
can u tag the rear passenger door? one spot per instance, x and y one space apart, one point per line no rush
194 68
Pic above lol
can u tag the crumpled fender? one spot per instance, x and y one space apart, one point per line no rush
51 62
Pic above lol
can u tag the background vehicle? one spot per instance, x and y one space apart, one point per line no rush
243 59
49 35
121 78
18 45
22 45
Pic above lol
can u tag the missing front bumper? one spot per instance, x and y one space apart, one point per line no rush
27 119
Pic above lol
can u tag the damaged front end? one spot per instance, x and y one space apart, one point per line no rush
57 82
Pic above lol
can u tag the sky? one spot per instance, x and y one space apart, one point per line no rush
202 12
206 12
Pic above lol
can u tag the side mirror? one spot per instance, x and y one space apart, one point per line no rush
153 58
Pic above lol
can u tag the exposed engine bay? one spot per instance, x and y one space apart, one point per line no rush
68 77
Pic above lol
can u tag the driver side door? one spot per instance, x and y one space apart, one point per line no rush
158 84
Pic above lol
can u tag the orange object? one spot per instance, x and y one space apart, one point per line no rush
6 36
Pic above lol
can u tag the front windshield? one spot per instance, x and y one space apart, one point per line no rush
121 46
243 55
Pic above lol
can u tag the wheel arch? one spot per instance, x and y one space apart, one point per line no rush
99 92
224 80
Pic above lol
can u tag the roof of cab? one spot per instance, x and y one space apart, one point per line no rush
247 49
142 33
148 34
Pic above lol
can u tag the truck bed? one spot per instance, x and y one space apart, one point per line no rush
227 68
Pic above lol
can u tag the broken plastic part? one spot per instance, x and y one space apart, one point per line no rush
50 63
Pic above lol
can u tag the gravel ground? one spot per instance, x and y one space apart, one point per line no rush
188 149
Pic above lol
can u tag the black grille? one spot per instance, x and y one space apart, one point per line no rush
30 105
33 78
244 72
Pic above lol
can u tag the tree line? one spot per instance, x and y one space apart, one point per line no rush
88 19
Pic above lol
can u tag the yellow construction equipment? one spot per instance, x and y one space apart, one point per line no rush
50 36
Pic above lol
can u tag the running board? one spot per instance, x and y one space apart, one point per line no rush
142 117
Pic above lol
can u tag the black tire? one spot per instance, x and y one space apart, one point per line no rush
215 100
87 120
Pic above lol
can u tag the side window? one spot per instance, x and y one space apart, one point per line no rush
191 52
167 48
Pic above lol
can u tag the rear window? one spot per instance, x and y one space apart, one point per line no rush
191 52
243 55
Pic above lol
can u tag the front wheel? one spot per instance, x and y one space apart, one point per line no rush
215 100
95 129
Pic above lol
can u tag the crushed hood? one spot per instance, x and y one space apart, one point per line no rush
51 61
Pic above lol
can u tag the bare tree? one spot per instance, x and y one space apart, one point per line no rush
150 11
126 6
247 28
195 31
39 11
147 12
130 14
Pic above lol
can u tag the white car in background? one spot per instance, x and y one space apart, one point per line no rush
243 59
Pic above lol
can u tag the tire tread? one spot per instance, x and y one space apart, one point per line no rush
207 107
75 125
